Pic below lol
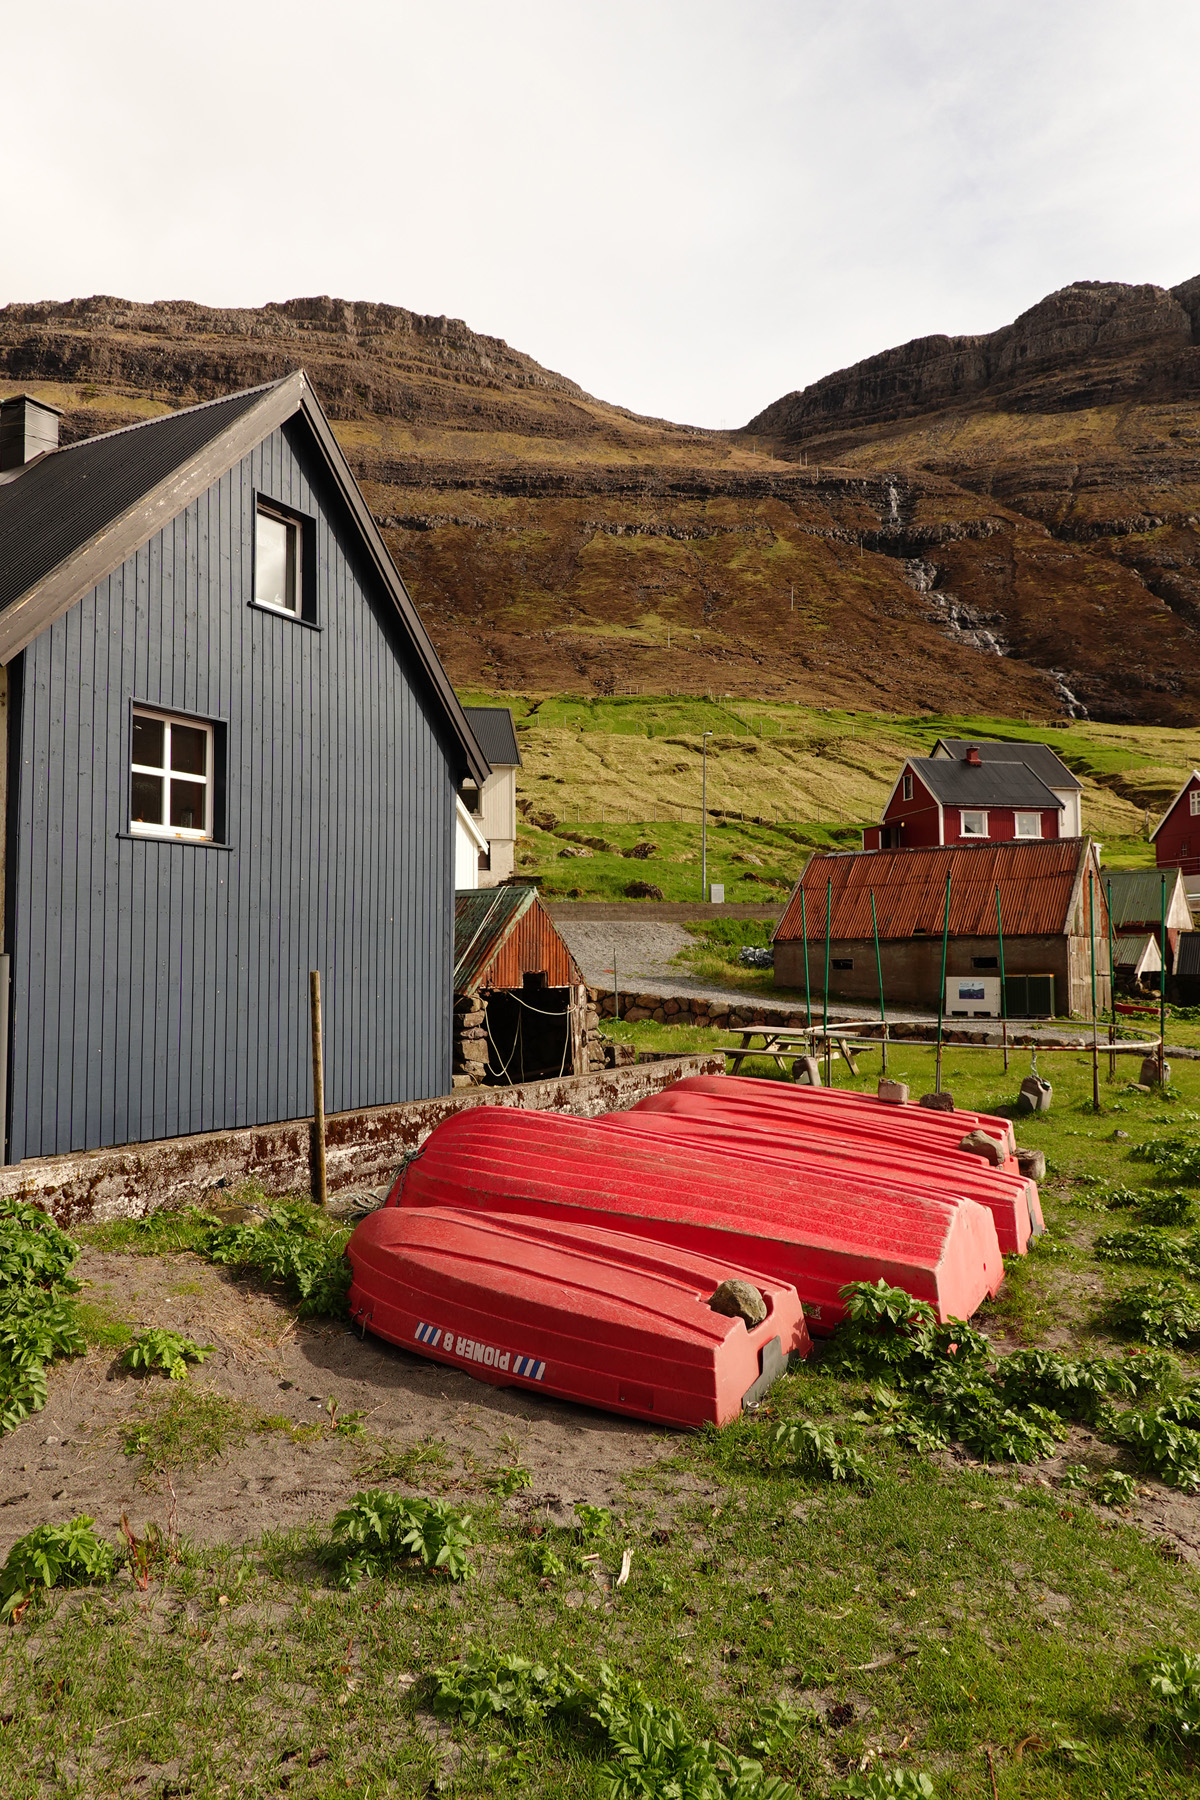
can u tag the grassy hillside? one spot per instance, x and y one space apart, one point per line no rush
611 774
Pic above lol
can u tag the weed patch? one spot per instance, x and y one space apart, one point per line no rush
53 1556
379 1532
185 1430
165 1352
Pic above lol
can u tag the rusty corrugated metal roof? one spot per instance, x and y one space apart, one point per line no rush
501 932
1040 885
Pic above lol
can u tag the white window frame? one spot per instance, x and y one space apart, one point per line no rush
1194 802
964 815
264 509
1026 836
188 833
906 787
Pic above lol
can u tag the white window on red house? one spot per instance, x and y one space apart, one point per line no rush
1029 825
170 790
974 824
1194 802
906 788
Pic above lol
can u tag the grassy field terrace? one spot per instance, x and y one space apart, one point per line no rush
619 779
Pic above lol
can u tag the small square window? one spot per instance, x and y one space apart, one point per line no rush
276 561
1029 825
171 777
1194 802
974 824
841 962
906 788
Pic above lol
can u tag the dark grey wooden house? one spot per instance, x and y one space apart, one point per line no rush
233 757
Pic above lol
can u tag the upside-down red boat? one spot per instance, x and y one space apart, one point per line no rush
570 1308
815 1232
808 1141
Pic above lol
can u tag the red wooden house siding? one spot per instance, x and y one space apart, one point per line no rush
1177 839
915 824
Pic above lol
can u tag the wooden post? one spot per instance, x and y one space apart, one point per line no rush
320 1190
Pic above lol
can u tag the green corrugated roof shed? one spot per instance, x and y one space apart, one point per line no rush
1137 898
482 916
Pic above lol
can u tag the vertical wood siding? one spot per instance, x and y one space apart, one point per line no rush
161 988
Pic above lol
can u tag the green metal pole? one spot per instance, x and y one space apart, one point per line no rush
1112 995
1003 983
1162 980
1095 1022
807 989
879 973
825 1006
937 1086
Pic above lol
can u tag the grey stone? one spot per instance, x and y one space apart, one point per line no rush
894 1092
978 1143
739 1300
1033 1163
937 1102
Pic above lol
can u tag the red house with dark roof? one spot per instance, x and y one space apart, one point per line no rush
951 800
1176 837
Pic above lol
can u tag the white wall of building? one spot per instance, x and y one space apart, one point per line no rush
469 844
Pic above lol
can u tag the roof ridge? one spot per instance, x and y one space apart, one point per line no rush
179 412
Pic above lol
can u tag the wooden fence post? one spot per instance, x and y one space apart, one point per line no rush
320 1190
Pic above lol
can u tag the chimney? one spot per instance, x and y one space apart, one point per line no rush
973 756
28 428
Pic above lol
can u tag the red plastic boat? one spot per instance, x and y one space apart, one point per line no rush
815 1234
572 1309
919 1124
814 1142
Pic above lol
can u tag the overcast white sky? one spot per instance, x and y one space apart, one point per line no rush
689 207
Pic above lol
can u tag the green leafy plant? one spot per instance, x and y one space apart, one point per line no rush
888 1784
380 1531
1172 1208
1173 1677
548 1565
817 1451
34 1253
1178 1155
595 1521
649 1750
1165 1441
159 1349
292 1245
1150 1246
68 1555
506 1482
39 1322
344 1424
1159 1312
1115 1488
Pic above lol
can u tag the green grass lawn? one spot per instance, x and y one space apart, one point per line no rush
943 1616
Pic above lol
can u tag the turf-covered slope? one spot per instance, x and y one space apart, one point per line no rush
554 542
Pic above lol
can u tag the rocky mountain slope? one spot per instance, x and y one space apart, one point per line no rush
1082 418
1003 524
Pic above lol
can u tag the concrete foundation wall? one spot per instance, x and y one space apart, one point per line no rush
363 1149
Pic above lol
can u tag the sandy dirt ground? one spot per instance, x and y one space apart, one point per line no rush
69 1458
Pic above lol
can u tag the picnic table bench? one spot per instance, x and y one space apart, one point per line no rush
783 1043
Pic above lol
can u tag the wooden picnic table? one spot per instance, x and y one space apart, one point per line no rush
782 1043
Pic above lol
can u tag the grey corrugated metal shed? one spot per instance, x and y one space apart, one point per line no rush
1187 954
1044 761
984 784
496 734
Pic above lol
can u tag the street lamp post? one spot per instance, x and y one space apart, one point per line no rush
704 814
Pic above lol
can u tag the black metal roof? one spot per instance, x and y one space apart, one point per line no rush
1187 953
495 734
1040 757
64 499
984 784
